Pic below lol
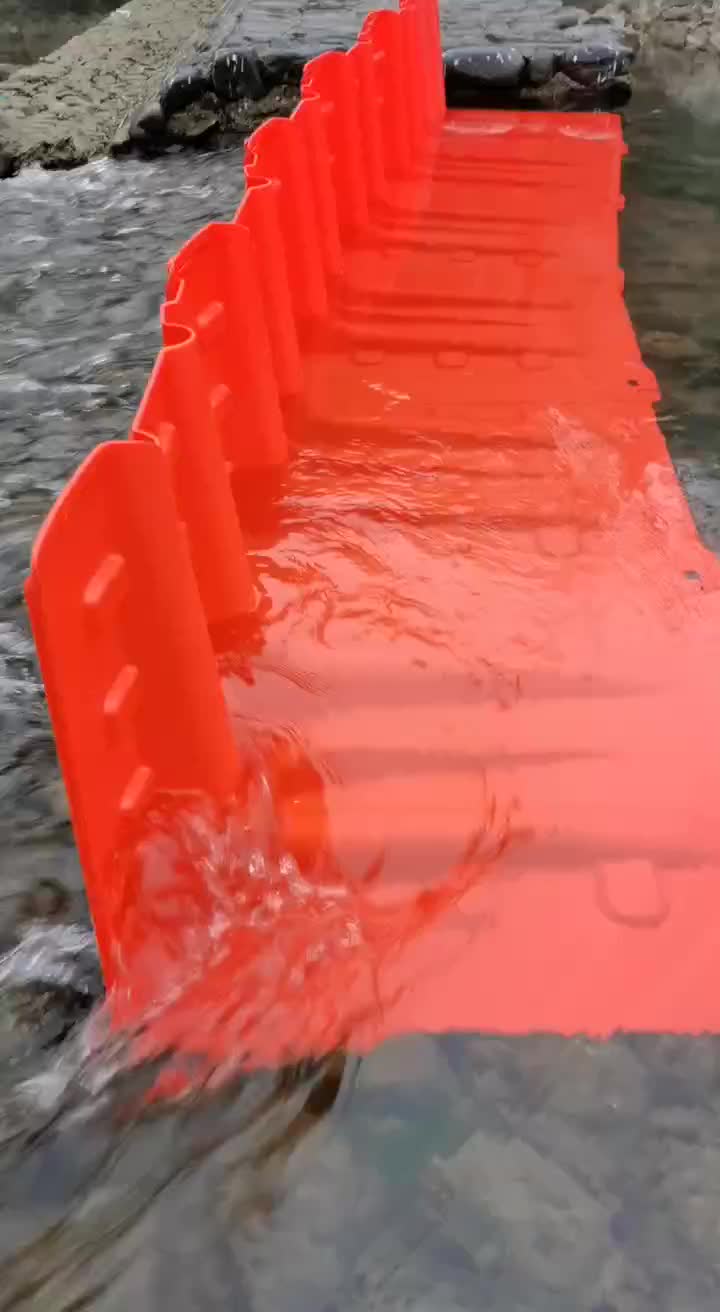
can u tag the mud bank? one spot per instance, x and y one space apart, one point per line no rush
31 29
65 108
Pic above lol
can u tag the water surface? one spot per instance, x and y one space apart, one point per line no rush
450 1173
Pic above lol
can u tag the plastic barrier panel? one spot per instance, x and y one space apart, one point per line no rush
485 667
178 415
128 668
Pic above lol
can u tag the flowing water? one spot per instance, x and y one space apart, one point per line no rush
437 1174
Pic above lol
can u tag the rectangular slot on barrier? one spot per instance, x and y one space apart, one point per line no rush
166 437
211 316
105 582
119 698
137 791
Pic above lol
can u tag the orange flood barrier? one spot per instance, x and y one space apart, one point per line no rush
397 489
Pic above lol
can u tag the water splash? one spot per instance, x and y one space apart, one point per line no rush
238 952
51 956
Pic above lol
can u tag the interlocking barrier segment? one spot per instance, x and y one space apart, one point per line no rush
412 334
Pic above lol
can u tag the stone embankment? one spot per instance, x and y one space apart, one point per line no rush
161 73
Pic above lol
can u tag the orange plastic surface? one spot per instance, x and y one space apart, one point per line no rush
495 689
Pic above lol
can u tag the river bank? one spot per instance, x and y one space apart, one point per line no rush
65 108
158 73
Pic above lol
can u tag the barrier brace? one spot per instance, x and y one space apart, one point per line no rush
464 264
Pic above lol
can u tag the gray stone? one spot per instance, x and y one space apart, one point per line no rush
570 16
691 1190
282 67
237 74
671 34
553 1231
681 1122
594 1081
188 84
531 32
150 118
542 65
567 1143
698 38
591 33
193 125
593 66
329 1201
664 344
482 67
611 13
677 13
408 1062
143 127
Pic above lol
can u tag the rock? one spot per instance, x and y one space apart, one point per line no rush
570 16
282 67
498 35
671 34
328 1202
532 33
681 13
188 84
691 1190
193 125
584 1156
542 65
698 38
407 1062
144 126
244 116
590 33
613 19
552 1230
237 74
593 66
594 1082
612 13
482 67
681 1122
663 344
150 118
6 71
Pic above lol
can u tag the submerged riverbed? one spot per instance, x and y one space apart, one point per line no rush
447 1174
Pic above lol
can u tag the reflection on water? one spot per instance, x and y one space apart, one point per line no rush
451 1173
671 253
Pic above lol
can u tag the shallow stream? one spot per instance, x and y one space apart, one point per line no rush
438 1175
